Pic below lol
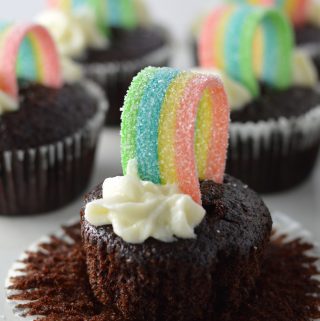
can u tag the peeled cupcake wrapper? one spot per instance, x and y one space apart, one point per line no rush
273 139
282 224
46 177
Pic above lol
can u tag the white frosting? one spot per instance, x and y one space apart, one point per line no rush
73 33
238 95
71 71
314 12
139 209
7 103
304 70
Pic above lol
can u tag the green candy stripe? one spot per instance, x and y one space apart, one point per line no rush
130 115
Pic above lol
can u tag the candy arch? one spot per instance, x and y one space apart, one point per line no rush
228 42
162 123
115 13
45 57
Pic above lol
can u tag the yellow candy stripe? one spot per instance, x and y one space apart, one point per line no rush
203 135
167 127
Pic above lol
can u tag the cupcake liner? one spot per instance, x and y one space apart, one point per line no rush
115 77
274 155
41 179
283 225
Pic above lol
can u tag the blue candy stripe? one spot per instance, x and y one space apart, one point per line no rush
233 42
26 64
148 124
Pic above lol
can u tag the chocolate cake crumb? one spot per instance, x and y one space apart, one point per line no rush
56 282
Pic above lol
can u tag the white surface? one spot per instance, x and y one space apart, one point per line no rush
283 224
17 234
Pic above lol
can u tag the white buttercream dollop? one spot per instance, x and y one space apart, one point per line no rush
7 103
71 71
304 71
73 33
139 209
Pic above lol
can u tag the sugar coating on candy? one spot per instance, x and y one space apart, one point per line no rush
248 42
185 132
40 52
203 133
148 124
176 125
130 114
167 126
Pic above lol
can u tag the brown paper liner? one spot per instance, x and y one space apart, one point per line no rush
45 178
51 281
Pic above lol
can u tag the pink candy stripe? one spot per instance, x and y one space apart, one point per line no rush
185 134
9 54
207 40
50 58
217 154
53 3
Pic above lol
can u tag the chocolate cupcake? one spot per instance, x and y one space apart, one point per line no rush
288 280
48 128
193 279
274 133
125 42
180 250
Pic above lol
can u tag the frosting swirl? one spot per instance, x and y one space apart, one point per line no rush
73 33
139 209
304 70
7 103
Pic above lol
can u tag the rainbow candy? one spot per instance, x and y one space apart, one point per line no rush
176 125
27 51
248 43
114 13
295 9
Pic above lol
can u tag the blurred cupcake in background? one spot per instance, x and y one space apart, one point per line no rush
305 15
50 118
111 39
275 129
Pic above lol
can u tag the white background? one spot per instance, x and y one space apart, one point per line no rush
16 234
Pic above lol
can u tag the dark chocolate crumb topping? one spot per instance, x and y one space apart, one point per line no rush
56 282
45 116
274 104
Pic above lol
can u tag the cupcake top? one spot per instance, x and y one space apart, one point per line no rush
90 30
45 115
252 47
36 106
236 220
174 132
